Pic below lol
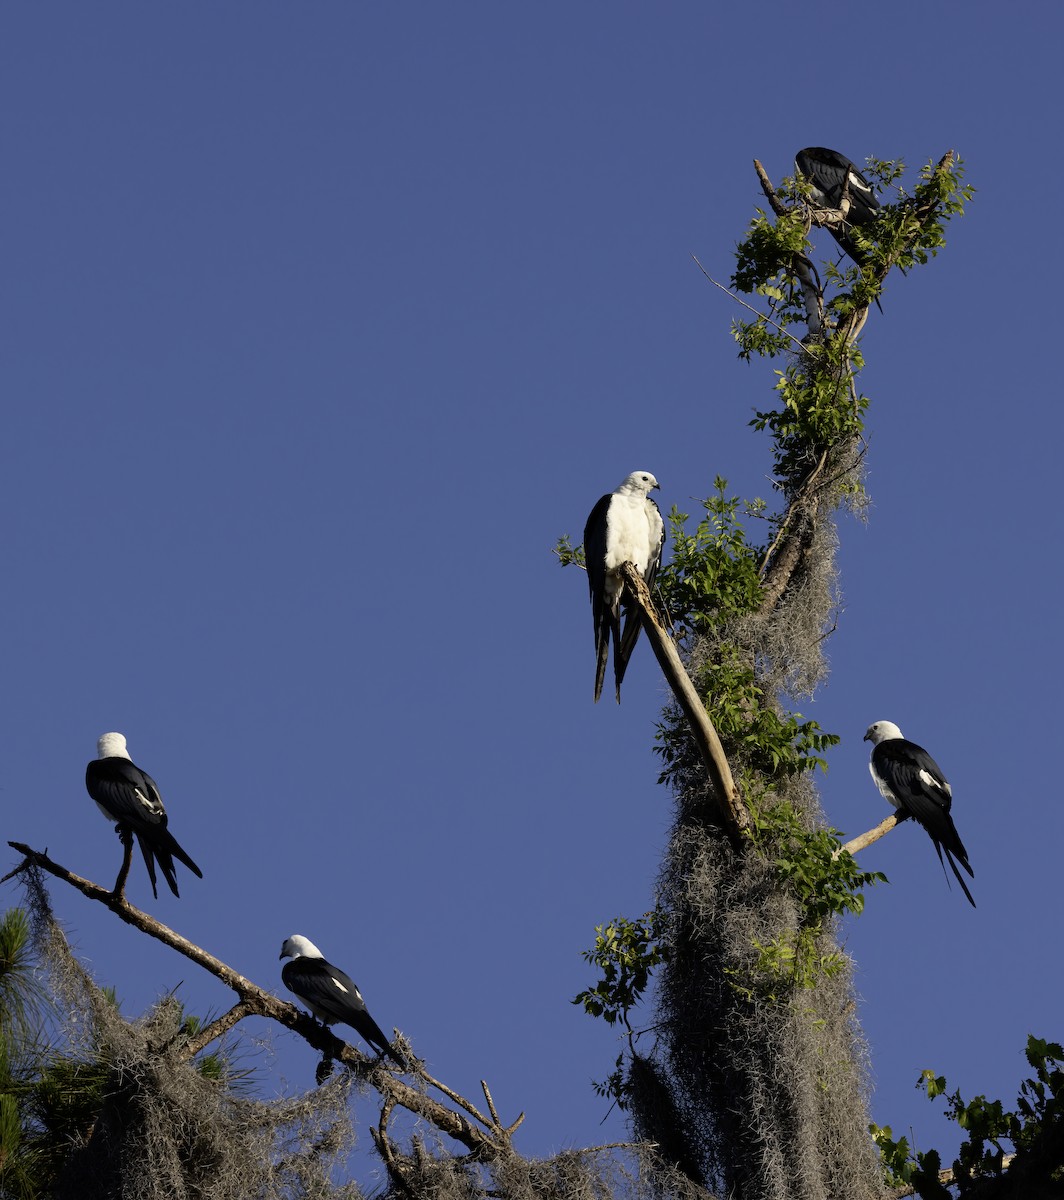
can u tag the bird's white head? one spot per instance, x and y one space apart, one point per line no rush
111 745
640 481
881 731
297 946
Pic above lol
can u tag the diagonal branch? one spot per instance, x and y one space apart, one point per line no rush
216 1029
742 303
866 839
732 810
488 1143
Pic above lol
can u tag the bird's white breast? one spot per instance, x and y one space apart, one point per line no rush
884 787
628 533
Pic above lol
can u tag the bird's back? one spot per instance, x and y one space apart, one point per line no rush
125 793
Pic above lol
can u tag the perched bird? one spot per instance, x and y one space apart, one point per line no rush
624 526
330 994
828 171
912 781
130 797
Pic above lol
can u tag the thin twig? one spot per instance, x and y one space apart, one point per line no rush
455 1098
491 1103
757 312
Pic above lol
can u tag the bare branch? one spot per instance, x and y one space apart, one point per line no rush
216 1029
392 1161
733 811
255 1001
866 839
491 1103
455 1098
778 207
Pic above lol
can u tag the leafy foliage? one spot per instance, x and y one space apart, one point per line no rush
827 883
1033 1133
569 555
51 1095
626 952
22 997
713 573
812 863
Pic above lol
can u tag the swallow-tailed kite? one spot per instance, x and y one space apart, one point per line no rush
827 172
129 796
625 526
330 994
912 781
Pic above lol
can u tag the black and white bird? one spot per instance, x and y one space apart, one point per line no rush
330 994
913 782
624 526
130 797
828 172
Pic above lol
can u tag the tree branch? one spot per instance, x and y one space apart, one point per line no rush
733 812
812 293
487 1144
216 1029
866 839
757 312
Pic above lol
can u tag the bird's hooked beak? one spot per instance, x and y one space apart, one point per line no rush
867 737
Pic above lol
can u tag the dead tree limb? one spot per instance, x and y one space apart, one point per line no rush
488 1142
732 810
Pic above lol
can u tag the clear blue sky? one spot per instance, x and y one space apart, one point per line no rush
322 322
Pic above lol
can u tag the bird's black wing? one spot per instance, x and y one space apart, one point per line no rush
828 172
655 561
921 789
334 997
163 844
606 618
125 792
132 799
